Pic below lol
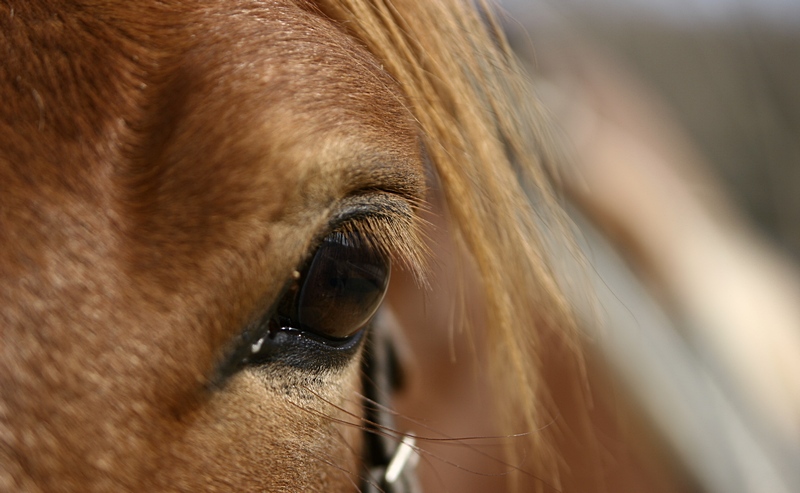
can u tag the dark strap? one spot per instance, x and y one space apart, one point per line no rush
389 457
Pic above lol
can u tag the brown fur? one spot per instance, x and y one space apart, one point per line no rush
163 170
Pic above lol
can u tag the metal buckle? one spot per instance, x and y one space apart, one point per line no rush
404 461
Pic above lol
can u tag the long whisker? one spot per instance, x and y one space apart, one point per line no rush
397 435
350 475
379 406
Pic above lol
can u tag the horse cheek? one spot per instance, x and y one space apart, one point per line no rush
257 435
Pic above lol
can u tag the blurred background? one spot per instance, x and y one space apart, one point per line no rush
729 71
681 120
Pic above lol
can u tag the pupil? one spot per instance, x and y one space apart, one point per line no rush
343 287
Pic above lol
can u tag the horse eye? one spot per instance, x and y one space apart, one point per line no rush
342 287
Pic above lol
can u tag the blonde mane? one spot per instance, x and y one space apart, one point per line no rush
489 145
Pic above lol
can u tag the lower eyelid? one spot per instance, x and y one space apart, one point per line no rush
298 350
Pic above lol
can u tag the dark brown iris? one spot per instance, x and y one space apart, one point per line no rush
342 287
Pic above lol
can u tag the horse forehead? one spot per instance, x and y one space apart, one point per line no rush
170 89
207 119
301 93
269 130
297 108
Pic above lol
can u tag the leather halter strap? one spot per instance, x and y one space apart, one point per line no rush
389 458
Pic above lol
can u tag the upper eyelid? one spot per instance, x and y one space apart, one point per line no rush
391 222
370 202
